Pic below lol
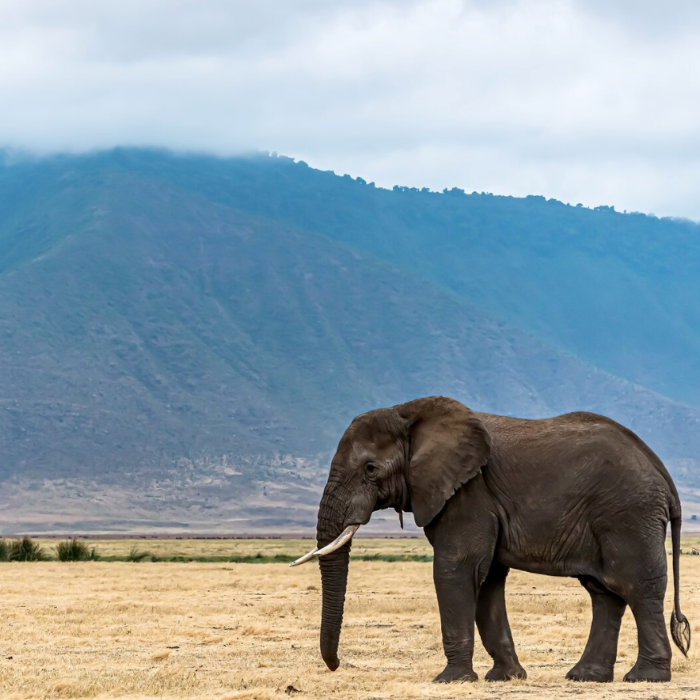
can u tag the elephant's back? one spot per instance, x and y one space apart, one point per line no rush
581 456
570 436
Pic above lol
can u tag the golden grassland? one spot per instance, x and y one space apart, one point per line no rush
185 548
215 630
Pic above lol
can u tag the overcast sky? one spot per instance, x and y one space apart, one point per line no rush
591 101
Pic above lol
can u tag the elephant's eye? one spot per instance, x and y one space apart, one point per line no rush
371 469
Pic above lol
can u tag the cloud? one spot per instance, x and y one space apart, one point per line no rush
645 19
584 101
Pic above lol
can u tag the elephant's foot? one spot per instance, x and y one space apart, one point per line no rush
453 673
590 672
644 671
506 672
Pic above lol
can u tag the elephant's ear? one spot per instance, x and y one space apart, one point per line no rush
448 447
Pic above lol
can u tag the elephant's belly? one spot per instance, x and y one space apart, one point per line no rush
568 553
540 566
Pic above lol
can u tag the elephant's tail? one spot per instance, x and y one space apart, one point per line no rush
680 627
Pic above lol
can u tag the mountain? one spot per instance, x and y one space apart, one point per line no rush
184 338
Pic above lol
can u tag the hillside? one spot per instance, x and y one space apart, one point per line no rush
184 338
618 290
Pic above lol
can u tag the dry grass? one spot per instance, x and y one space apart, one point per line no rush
103 629
186 547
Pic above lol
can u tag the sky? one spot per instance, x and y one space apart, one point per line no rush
586 101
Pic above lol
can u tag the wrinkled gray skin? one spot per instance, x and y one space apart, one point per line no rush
577 495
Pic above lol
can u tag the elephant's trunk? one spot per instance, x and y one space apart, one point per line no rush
334 576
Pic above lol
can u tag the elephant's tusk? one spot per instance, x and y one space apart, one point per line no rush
337 543
305 558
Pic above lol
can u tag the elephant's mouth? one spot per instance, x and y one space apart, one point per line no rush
337 543
383 503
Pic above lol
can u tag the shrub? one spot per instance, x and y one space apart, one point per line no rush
25 550
73 550
4 550
137 554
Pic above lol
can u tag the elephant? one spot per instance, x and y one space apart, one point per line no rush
576 495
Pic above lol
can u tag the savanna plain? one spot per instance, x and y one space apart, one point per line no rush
222 629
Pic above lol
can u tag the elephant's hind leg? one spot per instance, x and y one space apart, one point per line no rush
598 660
654 660
643 588
492 621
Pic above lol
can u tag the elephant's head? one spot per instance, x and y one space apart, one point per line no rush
411 457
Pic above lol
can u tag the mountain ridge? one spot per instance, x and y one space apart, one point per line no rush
373 219
157 337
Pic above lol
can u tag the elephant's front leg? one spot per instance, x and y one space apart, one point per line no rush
456 587
492 621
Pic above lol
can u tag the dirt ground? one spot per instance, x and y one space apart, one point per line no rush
142 630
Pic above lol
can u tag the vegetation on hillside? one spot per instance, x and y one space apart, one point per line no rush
197 332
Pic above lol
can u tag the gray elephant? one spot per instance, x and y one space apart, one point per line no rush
577 495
